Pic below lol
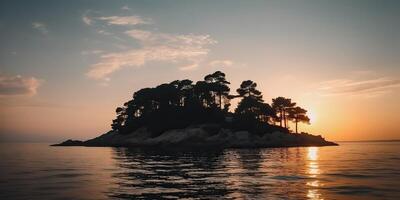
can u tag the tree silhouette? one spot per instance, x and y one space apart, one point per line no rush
175 104
118 122
281 105
252 107
298 114
184 91
219 87
248 89
203 94
181 103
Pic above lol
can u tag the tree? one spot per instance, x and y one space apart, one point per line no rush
254 108
248 89
185 91
119 121
298 114
281 105
166 95
252 105
143 101
203 94
218 85
181 103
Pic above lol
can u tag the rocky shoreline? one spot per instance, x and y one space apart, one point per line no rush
201 136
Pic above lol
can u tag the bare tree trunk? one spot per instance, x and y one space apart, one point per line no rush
280 118
296 125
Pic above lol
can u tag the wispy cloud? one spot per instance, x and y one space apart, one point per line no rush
86 17
125 20
186 50
92 52
365 87
40 27
125 8
221 63
91 17
148 38
87 20
18 85
103 32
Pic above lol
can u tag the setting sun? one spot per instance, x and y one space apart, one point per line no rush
311 114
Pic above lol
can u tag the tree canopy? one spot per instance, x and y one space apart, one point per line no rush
282 105
248 89
181 103
298 114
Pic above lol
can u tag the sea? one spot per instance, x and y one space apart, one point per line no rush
352 170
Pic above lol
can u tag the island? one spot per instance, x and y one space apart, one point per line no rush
183 114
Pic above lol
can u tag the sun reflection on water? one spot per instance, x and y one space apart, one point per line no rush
313 171
312 153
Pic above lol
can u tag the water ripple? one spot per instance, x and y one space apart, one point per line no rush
349 171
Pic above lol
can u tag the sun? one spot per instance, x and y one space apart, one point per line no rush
312 116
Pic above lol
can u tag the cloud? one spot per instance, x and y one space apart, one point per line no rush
40 27
125 20
220 63
125 8
189 50
103 32
150 38
92 52
90 20
18 85
87 20
366 87
86 17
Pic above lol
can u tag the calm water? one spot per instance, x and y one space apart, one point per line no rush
350 171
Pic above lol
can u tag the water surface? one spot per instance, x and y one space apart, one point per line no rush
353 170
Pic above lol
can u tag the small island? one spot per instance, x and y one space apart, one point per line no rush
183 114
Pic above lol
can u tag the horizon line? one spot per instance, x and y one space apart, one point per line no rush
383 140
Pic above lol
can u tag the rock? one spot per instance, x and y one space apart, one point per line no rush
206 135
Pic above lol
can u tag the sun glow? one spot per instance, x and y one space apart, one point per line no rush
312 116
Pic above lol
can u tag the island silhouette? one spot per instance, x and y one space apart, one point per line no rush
187 114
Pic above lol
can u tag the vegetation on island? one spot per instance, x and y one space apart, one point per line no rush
182 103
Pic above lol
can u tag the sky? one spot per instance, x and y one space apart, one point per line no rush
66 65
